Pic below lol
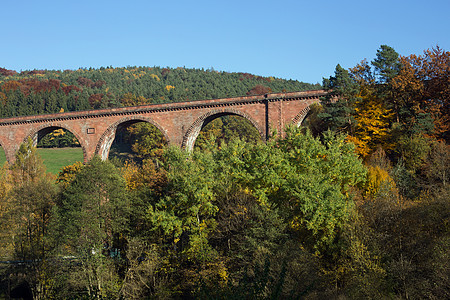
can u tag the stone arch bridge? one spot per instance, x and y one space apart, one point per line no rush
180 122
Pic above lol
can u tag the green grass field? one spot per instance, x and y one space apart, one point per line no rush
2 156
55 158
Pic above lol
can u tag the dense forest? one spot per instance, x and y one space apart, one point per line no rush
43 91
354 204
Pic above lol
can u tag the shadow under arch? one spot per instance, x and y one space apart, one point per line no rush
38 132
194 130
107 138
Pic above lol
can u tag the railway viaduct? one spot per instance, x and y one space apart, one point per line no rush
180 122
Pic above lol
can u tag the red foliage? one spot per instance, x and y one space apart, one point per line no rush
259 90
39 86
165 71
99 84
95 100
6 72
70 88
85 82
34 72
246 76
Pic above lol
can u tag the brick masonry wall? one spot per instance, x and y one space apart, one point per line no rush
179 122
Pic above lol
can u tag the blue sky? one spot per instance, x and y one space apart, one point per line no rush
302 40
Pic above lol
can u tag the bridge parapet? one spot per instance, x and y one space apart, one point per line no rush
179 121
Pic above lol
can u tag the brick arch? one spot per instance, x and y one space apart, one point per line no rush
298 119
107 138
33 134
192 133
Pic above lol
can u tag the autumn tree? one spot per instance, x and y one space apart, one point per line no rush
422 85
373 117
30 196
259 90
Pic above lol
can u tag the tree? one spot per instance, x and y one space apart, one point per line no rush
31 195
386 64
371 113
147 140
89 220
339 114
225 129
422 85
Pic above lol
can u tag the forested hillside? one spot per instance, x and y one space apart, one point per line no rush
43 91
354 204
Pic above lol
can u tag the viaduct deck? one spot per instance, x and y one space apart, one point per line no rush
179 122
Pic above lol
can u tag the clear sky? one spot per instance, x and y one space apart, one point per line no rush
302 40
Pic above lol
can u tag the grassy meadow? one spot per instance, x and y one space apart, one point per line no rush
2 156
54 158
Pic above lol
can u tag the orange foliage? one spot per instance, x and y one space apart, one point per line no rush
11 86
424 84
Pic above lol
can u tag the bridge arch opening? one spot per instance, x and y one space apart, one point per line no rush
58 146
223 126
309 119
132 139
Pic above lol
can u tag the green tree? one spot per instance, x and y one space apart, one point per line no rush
338 108
90 219
387 64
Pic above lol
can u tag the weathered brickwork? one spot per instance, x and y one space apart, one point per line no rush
179 122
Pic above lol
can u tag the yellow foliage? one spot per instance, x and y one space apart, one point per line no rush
361 145
131 175
169 87
147 175
57 132
373 122
377 178
61 110
68 173
155 77
5 186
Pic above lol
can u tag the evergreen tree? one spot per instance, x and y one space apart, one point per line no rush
387 64
338 113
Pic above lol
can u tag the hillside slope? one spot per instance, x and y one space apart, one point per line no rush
45 91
